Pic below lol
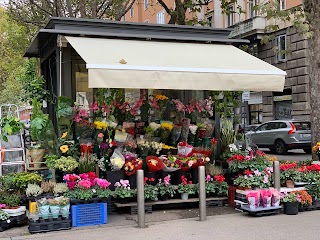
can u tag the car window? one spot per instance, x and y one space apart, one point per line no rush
262 127
302 125
282 125
272 126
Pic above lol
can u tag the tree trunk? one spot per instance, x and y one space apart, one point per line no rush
312 11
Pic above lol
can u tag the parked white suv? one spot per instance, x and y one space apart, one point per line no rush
282 135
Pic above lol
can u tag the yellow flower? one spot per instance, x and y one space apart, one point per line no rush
100 125
160 97
64 134
164 146
64 148
167 126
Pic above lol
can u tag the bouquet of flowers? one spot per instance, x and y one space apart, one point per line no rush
253 198
165 130
184 149
159 104
170 163
155 148
316 148
130 167
144 148
84 129
117 160
154 164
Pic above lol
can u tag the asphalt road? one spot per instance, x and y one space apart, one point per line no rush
293 155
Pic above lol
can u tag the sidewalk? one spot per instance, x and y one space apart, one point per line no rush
239 226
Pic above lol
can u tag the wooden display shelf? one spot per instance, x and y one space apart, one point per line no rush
212 201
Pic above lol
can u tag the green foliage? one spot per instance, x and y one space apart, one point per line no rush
314 189
217 189
186 188
10 200
66 164
228 135
64 107
21 180
33 84
166 189
120 192
151 192
10 125
80 193
3 215
103 193
87 163
51 160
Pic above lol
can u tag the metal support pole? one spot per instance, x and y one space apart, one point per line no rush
202 194
140 198
276 174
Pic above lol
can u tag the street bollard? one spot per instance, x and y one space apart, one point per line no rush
276 175
202 194
140 199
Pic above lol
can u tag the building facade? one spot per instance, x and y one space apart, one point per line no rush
294 101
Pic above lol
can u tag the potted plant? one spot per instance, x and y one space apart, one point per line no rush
290 203
60 189
4 216
54 204
103 191
288 173
21 180
66 164
64 204
43 208
87 162
150 191
123 191
10 125
185 188
33 190
12 201
37 153
216 186
165 188
314 190
48 187
305 200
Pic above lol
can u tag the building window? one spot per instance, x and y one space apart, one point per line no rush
230 17
124 18
131 11
281 42
160 17
252 12
282 4
146 4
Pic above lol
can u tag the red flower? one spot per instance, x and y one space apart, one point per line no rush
131 131
237 157
189 182
285 167
247 172
151 179
92 175
214 141
145 180
219 178
182 144
184 180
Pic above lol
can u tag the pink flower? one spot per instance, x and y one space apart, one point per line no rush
265 179
257 173
94 106
124 183
100 135
247 158
84 176
154 103
190 163
166 180
83 113
208 178
2 205
102 183
189 108
84 183
106 108
71 185
199 106
179 106
117 184
77 118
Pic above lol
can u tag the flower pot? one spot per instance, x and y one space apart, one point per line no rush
316 203
289 184
65 211
55 210
291 208
44 211
163 197
184 196
37 157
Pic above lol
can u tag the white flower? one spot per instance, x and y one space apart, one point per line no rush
193 129
154 126
233 148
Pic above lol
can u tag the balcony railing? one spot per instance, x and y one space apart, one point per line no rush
248 27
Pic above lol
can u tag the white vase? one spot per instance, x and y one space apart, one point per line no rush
55 210
65 211
184 196
44 211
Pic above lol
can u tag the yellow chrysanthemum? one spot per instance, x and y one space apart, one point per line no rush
64 148
65 134
167 126
100 125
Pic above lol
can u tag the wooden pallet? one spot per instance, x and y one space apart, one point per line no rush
211 202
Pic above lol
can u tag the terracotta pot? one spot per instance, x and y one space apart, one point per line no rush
289 184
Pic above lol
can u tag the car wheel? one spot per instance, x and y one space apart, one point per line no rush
307 151
280 147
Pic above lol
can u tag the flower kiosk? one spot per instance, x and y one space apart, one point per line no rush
122 106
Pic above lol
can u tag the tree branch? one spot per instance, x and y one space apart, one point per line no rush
168 10
40 8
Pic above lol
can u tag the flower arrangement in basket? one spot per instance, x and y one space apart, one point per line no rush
166 189
131 166
154 163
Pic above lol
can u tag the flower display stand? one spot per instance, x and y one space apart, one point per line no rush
48 225
210 202
261 211
15 221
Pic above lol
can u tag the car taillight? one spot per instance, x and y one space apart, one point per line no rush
293 129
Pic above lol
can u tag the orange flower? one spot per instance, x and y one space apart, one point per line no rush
64 134
64 148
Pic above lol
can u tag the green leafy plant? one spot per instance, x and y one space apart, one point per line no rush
21 180
60 188
151 192
314 189
3 215
87 163
10 200
103 193
66 164
48 186
186 187
10 125
228 135
290 197
33 190
79 193
51 160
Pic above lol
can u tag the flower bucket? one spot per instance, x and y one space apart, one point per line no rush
55 210
275 201
289 184
184 196
65 211
44 211
291 208
252 202
266 202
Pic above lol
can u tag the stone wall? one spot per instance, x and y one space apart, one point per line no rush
297 78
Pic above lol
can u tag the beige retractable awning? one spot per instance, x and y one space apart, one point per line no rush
117 63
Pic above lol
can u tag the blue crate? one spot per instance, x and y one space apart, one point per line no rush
89 214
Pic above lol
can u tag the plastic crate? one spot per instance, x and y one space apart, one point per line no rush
89 214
